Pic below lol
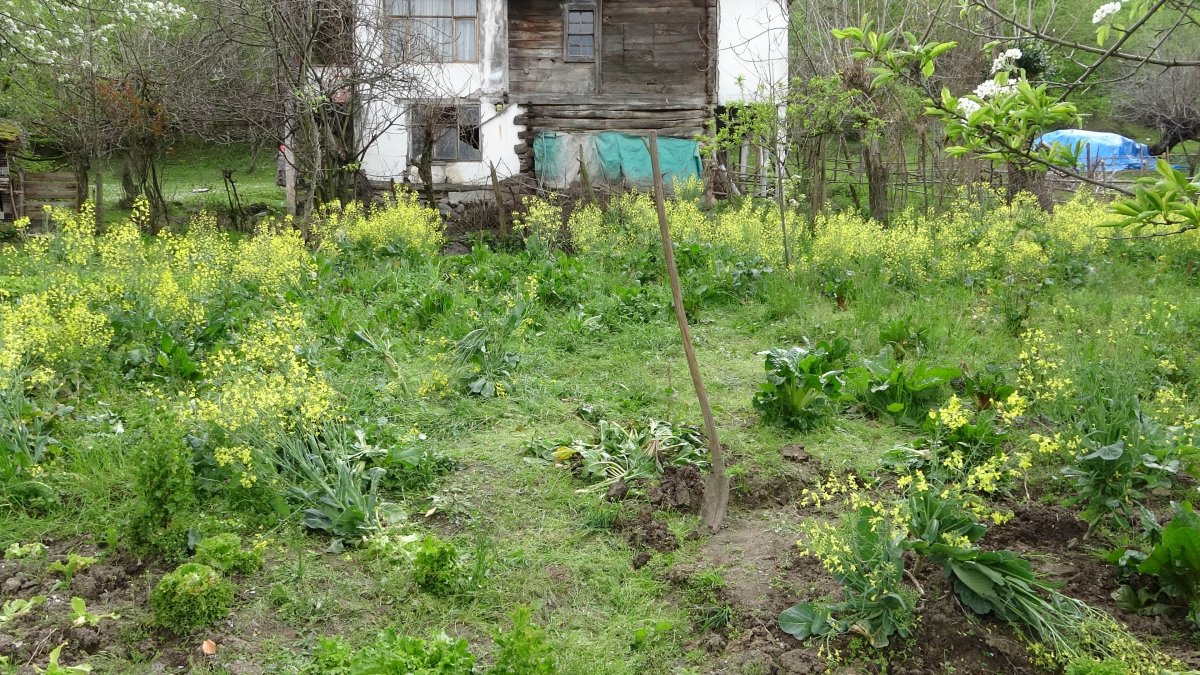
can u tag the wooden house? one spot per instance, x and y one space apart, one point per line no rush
550 88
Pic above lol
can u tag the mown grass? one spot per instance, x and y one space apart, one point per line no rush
193 180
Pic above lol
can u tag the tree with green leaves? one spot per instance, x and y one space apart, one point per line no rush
1003 117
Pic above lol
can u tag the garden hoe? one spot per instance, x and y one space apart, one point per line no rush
716 486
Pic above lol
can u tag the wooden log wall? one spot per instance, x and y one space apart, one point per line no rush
681 120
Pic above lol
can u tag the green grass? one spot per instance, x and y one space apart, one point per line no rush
193 180
551 549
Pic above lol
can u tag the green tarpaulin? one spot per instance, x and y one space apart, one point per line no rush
613 157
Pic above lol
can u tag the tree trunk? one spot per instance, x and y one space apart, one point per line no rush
877 179
128 184
1027 180
816 168
83 181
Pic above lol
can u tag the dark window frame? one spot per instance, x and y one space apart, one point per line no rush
459 111
397 22
568 9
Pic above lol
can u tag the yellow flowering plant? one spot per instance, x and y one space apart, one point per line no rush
864 553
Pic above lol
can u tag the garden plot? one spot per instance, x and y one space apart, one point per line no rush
961 444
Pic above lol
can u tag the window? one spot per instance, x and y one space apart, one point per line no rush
581 32
453 130
437 31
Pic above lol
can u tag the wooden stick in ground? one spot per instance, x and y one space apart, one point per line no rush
503 221
716 486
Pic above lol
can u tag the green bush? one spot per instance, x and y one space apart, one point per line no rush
225 554
436 566
901 393
193 596
523 650
1167 575
392 653
163 485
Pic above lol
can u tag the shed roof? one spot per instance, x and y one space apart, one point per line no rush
9 131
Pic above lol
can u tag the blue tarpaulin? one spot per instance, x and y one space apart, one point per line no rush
1117 152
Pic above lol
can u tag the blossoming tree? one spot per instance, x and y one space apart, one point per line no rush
1002 118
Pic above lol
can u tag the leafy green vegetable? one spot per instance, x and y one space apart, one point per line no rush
804 384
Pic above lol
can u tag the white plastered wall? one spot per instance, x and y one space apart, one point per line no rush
484 83
753 41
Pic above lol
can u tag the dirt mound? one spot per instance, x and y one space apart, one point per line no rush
780 486
1037 527
647 536
948 638
681 488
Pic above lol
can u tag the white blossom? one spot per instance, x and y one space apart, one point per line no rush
967 106
1006 60
1106 10
991 88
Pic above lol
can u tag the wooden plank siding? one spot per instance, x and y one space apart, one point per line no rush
48 189
654 49
656 70
536 53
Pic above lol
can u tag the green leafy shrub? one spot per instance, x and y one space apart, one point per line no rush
1125 455
905 337
24 439
988 386
225 554
865 556
1169 574
392 653
193 596
523 650
902 393
804 384
163 483
837 284
322 471
437 568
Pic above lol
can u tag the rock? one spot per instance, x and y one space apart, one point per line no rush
12 585
800 662
795 453
617 491
715 644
